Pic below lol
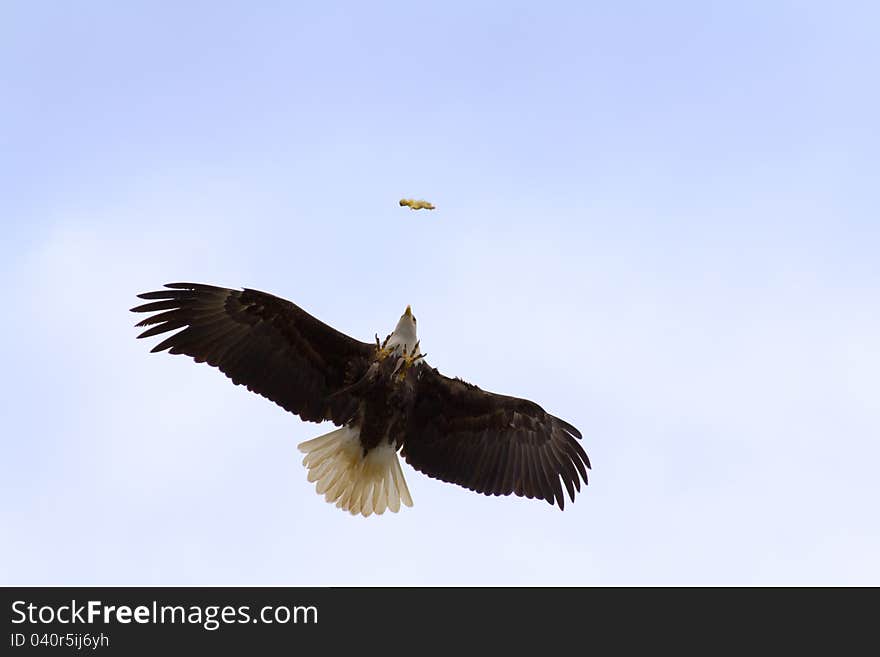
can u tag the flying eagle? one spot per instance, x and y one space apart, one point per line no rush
383 396
416 205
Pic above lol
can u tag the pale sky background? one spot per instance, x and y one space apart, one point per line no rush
657 220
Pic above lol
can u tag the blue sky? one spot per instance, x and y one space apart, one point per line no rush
659 221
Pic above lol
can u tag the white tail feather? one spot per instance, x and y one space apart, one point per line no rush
354 482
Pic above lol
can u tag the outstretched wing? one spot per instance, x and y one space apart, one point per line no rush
267 344
492 444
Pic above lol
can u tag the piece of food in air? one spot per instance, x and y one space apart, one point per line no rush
416 205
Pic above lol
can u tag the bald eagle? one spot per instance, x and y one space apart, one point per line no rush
383 397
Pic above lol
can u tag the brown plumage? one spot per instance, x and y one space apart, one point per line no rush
267 344
386 398
492 444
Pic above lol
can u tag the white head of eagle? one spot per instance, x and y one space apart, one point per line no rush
383 397
405 336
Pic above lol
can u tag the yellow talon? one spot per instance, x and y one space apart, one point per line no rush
406 361
382 351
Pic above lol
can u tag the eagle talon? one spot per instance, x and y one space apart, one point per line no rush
406 361
382 351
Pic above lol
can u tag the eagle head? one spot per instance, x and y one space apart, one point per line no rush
405 331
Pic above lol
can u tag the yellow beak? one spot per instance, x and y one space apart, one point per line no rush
408 312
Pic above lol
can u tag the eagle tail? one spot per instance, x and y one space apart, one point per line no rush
356 482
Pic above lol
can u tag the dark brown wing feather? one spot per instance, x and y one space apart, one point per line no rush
492 444
265 343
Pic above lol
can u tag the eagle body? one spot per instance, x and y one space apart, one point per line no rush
384 398
357 466
385 403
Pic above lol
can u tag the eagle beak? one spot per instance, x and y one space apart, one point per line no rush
408 312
